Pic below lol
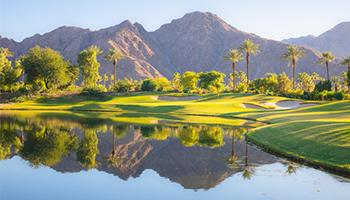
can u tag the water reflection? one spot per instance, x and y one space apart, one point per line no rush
194 155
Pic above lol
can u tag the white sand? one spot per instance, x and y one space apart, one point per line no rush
173 98
281 105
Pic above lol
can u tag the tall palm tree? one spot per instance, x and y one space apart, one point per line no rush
326 58
293 54
234 56
114 55
346 61
250 48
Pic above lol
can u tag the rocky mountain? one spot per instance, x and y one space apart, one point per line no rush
336 40
195 42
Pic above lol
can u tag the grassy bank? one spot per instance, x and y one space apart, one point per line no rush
320 134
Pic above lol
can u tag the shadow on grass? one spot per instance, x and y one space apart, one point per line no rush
140 115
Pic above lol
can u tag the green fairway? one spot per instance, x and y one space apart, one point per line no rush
320 133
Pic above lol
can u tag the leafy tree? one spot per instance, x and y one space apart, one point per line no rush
234 56
326 58
212 79
250 48
47 66
189 80
114 55
176 81
283 84
293 54
163 84
87 150
8 75
88 65
149 85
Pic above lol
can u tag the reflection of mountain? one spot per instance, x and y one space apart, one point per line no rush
193 167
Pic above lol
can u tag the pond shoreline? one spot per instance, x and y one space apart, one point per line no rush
329 168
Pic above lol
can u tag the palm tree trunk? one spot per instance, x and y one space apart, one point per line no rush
234 75
293 65
23 76
233 143
115 64
327 69
248 54
113 152
246 155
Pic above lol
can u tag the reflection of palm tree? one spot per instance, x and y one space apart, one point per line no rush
112 160
248 172
291 167
233 161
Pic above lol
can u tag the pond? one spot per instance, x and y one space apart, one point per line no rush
65 155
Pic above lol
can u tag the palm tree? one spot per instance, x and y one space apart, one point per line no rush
326 57
250 48
114 55
104 78
315 77
234 56
336 81
293 54
111 77
346 61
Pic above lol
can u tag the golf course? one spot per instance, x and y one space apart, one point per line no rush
312 132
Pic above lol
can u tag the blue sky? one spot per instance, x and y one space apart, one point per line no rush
272 19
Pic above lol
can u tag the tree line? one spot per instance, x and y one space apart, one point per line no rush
45 69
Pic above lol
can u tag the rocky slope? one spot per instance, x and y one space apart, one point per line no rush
195 42
336 40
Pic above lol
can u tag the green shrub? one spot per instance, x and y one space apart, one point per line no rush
324 85
313 95
149 85
121 86
94 91
329 95
339 95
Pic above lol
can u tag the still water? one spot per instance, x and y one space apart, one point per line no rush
91 156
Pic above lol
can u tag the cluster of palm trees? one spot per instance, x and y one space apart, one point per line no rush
292 54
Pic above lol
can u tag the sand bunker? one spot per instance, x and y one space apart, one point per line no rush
173 98
281 105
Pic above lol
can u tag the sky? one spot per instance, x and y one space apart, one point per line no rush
271 19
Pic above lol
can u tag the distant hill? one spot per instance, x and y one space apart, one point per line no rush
195 42
336 40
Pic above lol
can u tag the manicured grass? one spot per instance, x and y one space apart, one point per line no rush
320 134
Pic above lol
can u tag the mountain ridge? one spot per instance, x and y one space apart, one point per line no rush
336 40
196 42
